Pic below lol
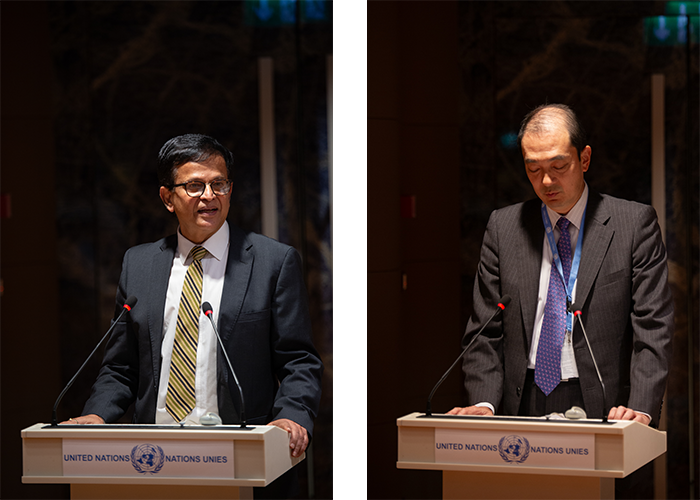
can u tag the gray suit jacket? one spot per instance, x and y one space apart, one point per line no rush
622 290
264 324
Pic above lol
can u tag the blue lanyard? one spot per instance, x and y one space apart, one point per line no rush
573 274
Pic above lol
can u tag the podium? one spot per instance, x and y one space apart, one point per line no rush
524 457
153 461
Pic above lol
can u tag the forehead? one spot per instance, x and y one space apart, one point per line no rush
210 168
546 145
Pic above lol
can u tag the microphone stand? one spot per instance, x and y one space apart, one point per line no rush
206 307
501 306
577 314
130 302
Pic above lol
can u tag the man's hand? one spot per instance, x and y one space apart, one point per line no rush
622 413
86 420
471 410
298 437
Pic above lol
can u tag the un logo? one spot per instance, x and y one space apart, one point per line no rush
514 449
147 458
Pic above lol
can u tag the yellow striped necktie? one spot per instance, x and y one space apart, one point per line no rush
181 397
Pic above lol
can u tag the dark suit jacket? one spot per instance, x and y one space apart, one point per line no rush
622 291
264 324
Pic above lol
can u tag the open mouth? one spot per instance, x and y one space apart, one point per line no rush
208 211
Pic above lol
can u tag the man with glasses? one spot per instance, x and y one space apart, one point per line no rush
256 290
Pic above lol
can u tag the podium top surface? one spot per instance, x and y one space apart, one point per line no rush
590 426
216 432
474 443
188 455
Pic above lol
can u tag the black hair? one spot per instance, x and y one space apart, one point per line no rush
186 148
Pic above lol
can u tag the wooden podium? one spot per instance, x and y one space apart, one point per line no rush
512 457
166 462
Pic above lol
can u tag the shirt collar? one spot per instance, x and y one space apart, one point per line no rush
575 214
216 244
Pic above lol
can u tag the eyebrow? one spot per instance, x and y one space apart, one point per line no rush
555 158
198 179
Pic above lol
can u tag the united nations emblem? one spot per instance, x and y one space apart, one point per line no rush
147 458
514 449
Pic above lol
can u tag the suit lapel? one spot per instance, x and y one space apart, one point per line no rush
238 271
162 265
532 262
596 241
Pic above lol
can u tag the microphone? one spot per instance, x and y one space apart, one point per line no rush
505 300
577 314
206 308
130 302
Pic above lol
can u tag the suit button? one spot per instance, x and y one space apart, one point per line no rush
517 391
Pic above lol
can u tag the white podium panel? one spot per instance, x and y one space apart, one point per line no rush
511 457
140 461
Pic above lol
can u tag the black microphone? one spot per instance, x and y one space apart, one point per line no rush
577 314
206 308
130 302
505 300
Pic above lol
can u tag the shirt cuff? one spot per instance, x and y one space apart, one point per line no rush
486 405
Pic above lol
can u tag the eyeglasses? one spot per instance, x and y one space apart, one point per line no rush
195 189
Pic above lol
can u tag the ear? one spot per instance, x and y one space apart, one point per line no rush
586 158
166 196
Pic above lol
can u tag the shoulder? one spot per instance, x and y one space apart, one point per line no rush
619 211
142 258
516 214
260 242
258 245
621 205
149 249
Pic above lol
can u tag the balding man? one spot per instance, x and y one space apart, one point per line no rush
571 245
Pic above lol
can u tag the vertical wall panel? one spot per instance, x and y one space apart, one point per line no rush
29 341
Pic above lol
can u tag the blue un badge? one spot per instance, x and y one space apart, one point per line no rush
147 458
514 449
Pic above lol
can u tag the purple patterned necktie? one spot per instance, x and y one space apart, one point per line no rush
548 361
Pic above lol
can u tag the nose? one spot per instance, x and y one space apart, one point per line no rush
208 193
546 180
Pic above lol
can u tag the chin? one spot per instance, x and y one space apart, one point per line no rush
208 229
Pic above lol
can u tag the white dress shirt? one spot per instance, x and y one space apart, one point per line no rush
568 362
214 268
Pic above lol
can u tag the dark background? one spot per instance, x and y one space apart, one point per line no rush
90 92
448 84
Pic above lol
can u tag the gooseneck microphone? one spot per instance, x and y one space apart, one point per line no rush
206 308
505 300
130 302
577 314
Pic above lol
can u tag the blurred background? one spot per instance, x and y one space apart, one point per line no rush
448 85
90 92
